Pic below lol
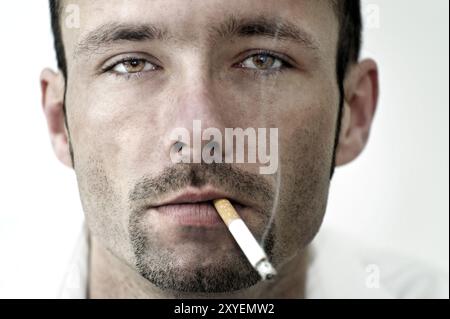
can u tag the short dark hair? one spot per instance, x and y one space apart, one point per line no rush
55 13
350 35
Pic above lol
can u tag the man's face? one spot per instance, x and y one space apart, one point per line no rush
200 60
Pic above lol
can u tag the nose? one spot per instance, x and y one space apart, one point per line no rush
195 107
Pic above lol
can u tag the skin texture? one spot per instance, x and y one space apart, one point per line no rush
120 128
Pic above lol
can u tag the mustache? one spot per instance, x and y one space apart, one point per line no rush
222 176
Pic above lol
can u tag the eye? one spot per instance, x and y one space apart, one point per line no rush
133 65
264 62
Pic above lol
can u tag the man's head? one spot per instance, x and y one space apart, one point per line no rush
135 70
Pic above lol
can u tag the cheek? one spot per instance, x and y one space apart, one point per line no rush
108 134
105 209
306 152
118 128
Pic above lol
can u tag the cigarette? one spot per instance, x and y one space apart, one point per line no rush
246 241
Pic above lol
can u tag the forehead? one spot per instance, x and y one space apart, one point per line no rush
191 20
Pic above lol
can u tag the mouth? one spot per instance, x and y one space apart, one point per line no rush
194 208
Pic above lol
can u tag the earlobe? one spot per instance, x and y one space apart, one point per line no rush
52 88
361 97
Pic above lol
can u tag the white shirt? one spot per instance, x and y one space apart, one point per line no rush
339 269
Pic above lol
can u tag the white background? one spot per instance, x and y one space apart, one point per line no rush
396 195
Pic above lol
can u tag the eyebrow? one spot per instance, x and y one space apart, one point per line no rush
270 27
111 33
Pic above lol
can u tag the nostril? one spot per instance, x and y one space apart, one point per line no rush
176 152
177 147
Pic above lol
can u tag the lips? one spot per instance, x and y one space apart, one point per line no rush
200 214
195 208
192 196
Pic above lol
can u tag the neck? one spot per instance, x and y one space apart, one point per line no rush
109 277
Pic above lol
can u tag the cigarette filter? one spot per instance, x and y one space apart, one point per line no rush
248 244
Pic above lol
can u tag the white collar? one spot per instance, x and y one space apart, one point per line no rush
75 282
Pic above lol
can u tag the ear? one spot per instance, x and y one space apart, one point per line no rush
52 87
361 97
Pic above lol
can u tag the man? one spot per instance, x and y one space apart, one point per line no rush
132 72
